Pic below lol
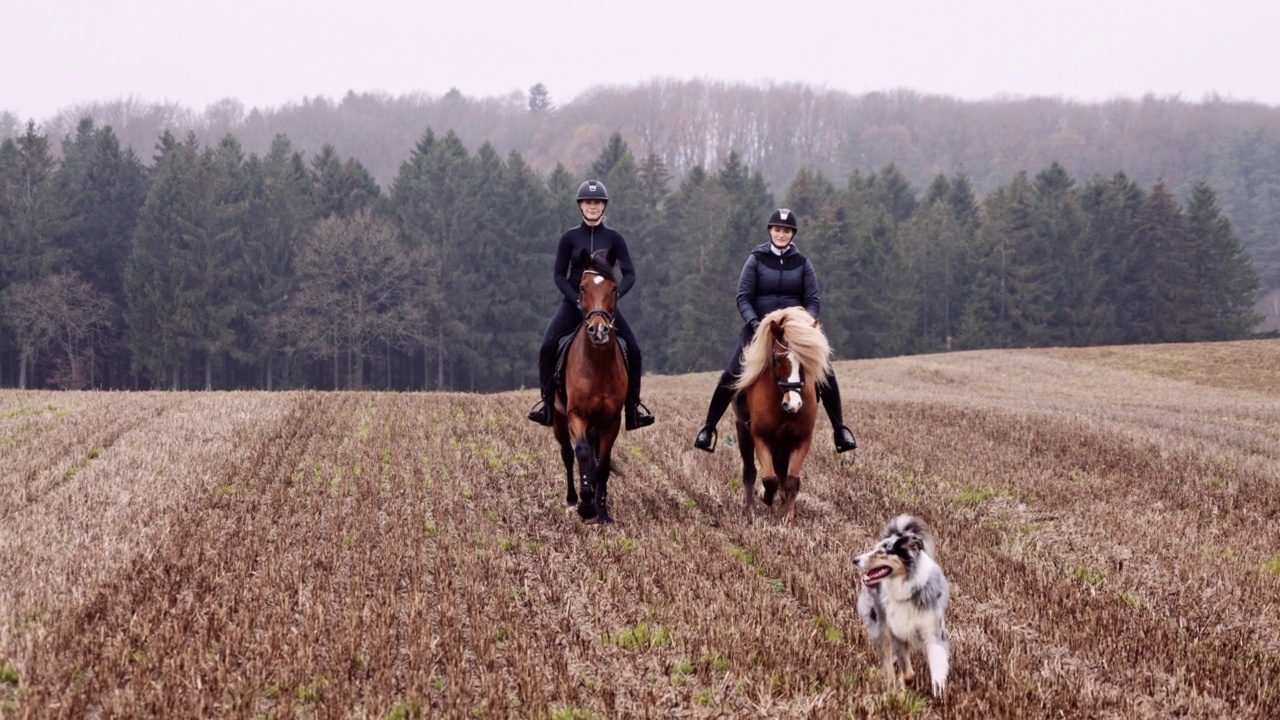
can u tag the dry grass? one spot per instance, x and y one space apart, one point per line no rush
1108 518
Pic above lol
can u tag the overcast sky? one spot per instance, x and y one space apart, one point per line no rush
266 53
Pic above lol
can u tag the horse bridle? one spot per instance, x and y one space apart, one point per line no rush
773 360
598 312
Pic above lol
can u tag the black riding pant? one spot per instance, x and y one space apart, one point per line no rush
567 319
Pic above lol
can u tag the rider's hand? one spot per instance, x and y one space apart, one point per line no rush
755 325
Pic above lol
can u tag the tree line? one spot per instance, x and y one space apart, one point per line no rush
212 267
778 129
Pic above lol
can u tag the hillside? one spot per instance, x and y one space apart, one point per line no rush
1108 518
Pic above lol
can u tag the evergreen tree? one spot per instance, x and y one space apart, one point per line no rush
278 213
101 190
991 315
1163 276
159 310
933 241
1225 284
341 188
653 241
539 99
32 218
436 200
513 233
1060 267
1111 207
703 285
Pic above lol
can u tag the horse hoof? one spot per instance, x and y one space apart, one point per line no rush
587 510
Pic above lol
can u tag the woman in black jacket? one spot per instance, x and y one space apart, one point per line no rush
775 276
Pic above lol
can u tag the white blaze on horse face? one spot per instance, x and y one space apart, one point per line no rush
791 400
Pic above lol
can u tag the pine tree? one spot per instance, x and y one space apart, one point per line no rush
436 199
33 217
991 316
1162 273
278 213
1111 206
101 190
1225 284
158 309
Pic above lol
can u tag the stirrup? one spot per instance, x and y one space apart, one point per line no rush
542 413
706 439
635 419
843 444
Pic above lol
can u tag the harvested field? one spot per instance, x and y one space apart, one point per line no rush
1109 519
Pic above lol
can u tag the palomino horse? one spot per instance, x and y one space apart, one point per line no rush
777 403
589 413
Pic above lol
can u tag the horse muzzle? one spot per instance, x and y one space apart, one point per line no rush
792 402
598 334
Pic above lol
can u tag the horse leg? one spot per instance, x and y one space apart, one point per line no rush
566 456
764 458
604 464
746 448
586 457
791 486
571 494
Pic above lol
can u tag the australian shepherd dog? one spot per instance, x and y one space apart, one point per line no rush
903 601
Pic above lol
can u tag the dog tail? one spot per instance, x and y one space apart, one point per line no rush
911 525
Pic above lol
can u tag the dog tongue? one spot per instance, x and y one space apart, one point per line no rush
875 575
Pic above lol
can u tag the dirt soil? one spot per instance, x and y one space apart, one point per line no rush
1109 519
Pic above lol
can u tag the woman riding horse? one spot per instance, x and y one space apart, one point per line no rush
595 389
775 276
782 368
592 236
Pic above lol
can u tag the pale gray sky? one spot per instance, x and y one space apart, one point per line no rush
57 53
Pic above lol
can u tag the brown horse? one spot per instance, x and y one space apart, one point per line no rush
777 403
589 409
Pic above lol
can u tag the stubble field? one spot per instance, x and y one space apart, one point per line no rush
1109 519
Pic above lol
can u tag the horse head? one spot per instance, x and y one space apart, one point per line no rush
598 296
786 369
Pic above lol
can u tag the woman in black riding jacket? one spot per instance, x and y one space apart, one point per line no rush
593 236
775 276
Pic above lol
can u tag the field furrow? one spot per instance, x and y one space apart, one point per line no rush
1108 520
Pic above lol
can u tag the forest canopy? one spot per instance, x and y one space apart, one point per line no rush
315 246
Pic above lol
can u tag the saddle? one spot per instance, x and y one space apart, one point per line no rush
562 353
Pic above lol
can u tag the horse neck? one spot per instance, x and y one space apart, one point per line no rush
599 354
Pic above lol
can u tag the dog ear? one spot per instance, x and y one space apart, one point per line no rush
911 543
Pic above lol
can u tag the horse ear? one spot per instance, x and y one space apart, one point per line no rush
778 331
584 258
610 257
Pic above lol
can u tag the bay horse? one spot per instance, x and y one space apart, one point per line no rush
777 403
588 410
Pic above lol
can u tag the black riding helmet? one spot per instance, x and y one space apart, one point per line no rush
782 217
593 190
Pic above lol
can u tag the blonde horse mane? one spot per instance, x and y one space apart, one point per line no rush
801 332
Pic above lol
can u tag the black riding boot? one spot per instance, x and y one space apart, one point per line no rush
830 395
544 411
720 400
634 416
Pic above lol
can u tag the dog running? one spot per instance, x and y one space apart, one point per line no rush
903 601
